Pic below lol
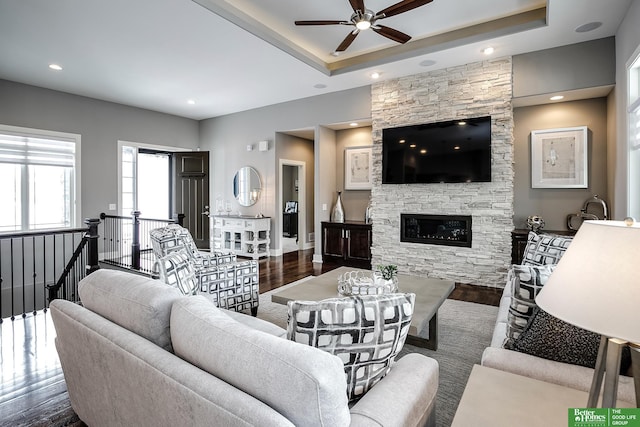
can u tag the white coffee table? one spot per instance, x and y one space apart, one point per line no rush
430 294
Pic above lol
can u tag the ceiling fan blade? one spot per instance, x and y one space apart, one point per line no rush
390 33
321 22
357 5
347 41
401 7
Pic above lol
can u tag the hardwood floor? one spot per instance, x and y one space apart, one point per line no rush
32 388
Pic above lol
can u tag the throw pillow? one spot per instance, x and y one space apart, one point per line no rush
545 249
548 337
525 282
366 332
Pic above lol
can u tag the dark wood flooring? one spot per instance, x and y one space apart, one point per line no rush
32 388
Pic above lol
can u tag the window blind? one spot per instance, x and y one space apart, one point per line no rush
27 150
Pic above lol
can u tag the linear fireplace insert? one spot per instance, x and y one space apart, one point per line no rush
450 230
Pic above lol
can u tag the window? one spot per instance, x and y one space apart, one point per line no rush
39 172
633 73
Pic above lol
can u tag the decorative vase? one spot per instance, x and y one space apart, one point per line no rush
535 223
338 210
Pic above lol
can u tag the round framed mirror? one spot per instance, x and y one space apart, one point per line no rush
247 186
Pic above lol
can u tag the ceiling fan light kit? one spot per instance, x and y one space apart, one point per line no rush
363 19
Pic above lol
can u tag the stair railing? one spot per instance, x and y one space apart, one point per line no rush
126 242
36 265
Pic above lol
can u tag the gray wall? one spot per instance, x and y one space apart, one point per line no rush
101 124
565 68
289 190
554 204
226 137
354 201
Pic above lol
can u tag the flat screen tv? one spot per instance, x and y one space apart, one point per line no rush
453 151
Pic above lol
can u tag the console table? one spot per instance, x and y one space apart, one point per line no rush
347 243
243 235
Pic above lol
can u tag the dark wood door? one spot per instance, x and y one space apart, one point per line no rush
332 240
191 193
358 243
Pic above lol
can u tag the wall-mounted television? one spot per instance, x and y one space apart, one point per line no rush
452 151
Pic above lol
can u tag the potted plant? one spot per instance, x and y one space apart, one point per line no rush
387 275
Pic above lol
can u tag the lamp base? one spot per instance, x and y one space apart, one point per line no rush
635 367
608 362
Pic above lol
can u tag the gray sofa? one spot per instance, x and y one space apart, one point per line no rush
573 376
140 353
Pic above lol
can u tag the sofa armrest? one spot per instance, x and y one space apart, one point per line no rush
409 388
572 376
213 259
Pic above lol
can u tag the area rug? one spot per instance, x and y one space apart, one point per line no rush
465 330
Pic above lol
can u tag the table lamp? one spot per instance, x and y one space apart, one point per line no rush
596 286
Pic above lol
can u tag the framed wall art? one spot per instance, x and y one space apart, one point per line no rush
357 168
559 158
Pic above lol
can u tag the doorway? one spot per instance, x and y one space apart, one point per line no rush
292 216
162 181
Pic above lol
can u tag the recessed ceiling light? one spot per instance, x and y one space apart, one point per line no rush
556 98
354 124
590 26
191 102
427 63
320 86
402 141
412 145
462 123
375 75
488 50
423 151
55 67
457 147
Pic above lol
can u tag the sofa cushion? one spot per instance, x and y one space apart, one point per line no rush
548 337
135 302
304 384
524 282
366 332
544 249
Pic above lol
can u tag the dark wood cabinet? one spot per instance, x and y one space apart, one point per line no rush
347 243
289 224
519 238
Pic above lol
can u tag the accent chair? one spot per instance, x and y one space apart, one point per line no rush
228 283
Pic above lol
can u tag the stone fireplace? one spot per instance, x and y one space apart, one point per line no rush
471 90
447 230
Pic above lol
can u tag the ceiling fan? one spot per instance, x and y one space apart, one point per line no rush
363 19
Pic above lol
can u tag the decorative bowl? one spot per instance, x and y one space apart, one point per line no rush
366 283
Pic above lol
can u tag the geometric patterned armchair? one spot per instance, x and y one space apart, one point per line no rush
229 284
174 237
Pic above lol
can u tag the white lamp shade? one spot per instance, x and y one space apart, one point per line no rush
596 284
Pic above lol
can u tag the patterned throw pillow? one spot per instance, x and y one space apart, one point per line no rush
366 332
548 337
545 249
525 282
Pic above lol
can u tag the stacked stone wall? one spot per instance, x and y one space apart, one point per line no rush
472 90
